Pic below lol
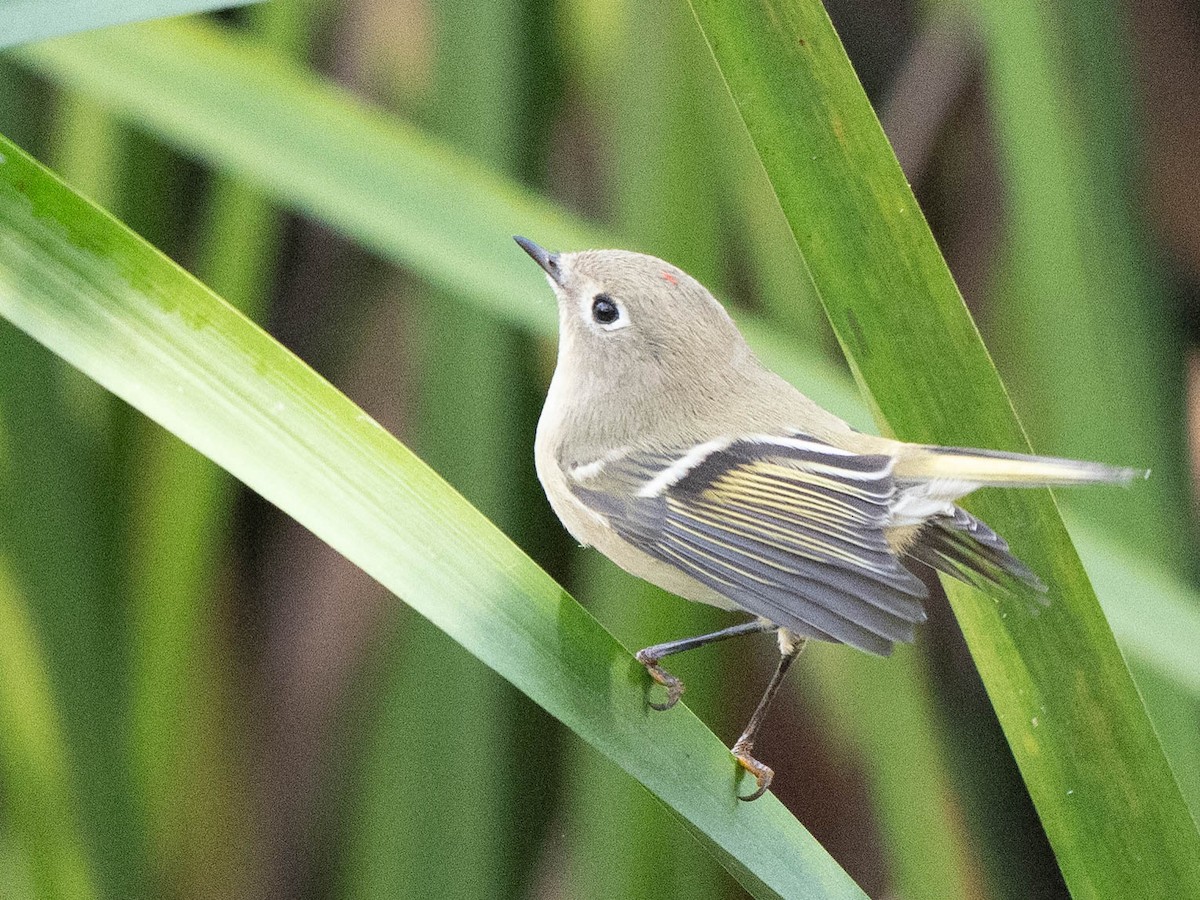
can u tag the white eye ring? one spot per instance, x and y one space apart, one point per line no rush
605 312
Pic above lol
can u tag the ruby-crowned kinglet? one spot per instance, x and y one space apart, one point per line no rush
666 445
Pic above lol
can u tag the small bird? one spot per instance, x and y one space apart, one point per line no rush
665 444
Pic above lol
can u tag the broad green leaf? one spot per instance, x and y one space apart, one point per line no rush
1095 771
22 21
386 185
109 304
1058 79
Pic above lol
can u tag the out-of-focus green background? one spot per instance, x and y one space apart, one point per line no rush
245 714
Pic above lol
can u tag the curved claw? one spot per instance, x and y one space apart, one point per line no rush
673 685
763 774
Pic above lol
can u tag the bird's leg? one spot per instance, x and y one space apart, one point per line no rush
651 655
741 750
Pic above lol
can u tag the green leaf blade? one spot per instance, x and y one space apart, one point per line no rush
37 20
115 308
1066 701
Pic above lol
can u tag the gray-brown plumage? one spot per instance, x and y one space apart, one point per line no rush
669 447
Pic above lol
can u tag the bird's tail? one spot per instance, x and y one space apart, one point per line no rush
995 467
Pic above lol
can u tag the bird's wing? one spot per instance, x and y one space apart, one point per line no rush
965 548
789 528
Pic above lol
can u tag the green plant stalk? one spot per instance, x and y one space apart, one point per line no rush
186 761
37 779
116 309
17 89
88 148
175 730
781 282
660 147
883 713
439 705
54 515
420 789
1113 813
1088 308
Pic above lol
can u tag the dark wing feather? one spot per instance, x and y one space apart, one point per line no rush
788 528
965 548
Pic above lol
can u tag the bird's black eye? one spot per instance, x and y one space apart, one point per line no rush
604 310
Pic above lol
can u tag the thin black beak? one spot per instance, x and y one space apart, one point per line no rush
544 258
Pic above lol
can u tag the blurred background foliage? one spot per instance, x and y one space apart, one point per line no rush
243 713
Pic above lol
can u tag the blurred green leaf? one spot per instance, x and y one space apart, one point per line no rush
221 98
58 532
22 21
37 780
1156 616
192 769
883 708
473 423
1112 810
1088 309
89 289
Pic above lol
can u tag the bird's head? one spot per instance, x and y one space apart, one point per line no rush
637 319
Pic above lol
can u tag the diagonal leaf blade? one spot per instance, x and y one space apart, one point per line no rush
89 289
37 20
1111 808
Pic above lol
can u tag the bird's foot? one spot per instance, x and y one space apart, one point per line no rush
762 773
673 685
